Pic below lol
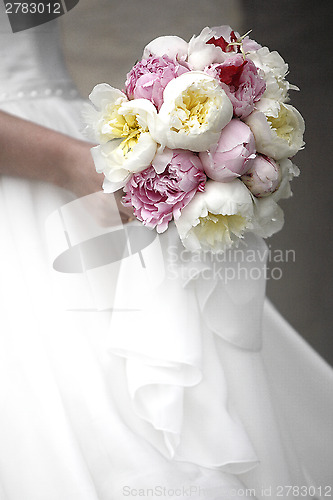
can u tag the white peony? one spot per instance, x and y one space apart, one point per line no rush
172 46
277 128
121 126
194 111
274 70
217 218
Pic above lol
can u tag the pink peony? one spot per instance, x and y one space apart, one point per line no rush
241 81
263 177
158 197
149 77
231 157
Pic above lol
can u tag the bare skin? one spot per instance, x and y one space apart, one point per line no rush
34 152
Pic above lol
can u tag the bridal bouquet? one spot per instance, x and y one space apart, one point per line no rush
202 135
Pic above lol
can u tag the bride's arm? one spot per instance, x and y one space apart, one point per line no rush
35 152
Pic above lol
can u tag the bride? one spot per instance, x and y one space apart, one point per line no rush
121 375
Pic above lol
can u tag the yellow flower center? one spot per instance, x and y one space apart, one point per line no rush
116 126
283 124
130 141
116 123
219 228
191 110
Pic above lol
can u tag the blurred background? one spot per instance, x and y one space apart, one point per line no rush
103 39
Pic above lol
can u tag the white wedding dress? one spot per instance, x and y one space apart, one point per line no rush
129 368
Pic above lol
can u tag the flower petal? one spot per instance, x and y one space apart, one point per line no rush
172 46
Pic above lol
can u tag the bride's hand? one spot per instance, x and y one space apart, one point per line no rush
81 178
106 208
